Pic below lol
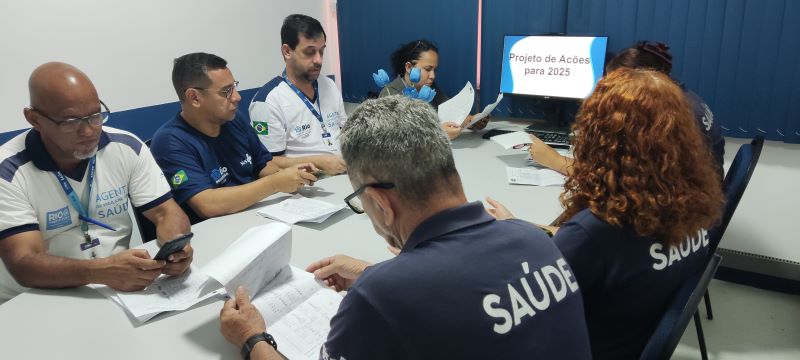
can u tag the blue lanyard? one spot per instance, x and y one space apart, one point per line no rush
83 212
309 105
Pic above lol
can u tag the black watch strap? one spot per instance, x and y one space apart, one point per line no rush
255 339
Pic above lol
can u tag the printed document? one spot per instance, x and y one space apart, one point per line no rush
486 111
458 107
300 209
534 176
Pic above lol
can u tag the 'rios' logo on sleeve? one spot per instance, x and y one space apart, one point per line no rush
179 178
261 127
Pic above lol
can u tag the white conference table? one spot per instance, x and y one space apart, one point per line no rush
82 323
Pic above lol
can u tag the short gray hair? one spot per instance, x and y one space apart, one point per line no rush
399 140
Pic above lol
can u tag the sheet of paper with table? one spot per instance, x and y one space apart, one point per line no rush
297 307
534 176
300 209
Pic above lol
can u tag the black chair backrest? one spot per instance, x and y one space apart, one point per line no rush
735 183
146 227
679 312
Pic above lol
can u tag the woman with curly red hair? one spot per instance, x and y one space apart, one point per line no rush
639 197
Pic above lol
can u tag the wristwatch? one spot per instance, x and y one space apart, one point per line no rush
255 339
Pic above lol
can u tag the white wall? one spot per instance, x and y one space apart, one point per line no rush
127 47
766 221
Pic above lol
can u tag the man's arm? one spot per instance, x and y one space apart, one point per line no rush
230 199
329 163
25 255
172 222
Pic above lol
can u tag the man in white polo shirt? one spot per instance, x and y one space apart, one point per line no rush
298 115
64 194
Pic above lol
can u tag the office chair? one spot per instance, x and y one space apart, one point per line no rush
680 311
146 227
733 186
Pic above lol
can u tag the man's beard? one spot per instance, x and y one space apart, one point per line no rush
84 155
308 76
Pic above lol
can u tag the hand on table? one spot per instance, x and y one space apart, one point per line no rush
290 179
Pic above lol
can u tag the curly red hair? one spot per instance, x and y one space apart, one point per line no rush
640 159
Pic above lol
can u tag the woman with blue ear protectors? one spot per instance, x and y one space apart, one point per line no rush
414 65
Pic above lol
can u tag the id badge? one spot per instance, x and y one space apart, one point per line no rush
88 245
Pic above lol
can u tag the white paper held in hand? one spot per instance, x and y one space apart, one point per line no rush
513 140
254 259
458 107
166 293
486 111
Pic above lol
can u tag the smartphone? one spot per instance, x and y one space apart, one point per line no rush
173 246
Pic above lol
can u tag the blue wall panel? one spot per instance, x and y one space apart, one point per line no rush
741 56
370 30
144 122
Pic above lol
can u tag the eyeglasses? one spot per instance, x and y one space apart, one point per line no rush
73 124
354 202
225 92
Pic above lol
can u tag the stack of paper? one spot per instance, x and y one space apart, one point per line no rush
251 261
534 176
300 209
167 293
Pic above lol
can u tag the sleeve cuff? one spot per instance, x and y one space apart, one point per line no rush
279 153
160 200
18 229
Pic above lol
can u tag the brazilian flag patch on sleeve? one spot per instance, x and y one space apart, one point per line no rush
262 128
179 178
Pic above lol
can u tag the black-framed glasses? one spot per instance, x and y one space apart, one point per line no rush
354 202
73 124
225 92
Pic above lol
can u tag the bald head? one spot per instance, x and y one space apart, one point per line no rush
57 87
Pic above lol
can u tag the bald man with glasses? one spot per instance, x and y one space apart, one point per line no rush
213 158
65 189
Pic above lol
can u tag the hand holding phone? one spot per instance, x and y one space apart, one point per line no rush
173 246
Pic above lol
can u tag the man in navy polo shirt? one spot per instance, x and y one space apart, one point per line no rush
212 156
464 286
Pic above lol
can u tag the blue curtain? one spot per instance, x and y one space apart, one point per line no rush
370 30
741 56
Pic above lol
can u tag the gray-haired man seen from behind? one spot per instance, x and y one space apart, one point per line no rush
464 286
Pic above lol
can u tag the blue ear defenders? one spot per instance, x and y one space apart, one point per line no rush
381 78
414 75
426 94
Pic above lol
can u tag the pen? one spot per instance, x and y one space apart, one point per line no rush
93 221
